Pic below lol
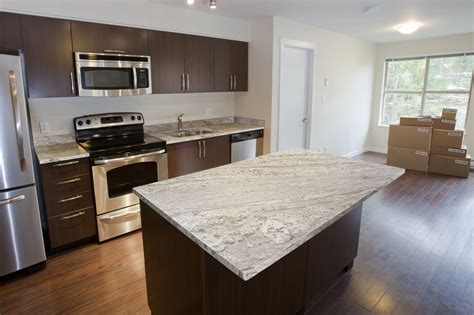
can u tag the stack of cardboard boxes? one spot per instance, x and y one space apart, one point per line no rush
429 144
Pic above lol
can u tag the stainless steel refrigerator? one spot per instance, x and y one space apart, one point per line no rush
21 239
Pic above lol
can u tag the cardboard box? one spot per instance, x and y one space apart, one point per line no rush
410 137
411 159
442 123
447 138
449 113
436 149
416 121
450 165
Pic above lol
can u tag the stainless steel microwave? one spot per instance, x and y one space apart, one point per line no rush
105 74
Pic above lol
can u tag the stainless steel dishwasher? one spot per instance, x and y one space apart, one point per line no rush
246 145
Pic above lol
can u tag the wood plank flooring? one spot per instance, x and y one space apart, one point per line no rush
416 256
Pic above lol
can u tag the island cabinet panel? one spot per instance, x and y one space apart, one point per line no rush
69 202
231 65
194 156
199 63
48 56
10 31
102 38
182 278
167 62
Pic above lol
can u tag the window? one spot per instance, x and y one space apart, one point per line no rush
426 85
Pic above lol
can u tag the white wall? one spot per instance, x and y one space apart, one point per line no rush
140 13
378 136
257 102
341 122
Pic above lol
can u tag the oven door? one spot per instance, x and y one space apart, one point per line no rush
114 178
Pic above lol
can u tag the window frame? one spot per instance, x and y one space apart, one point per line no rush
425 90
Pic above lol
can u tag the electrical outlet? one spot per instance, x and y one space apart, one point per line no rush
44 126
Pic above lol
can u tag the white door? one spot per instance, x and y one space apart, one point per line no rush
295 82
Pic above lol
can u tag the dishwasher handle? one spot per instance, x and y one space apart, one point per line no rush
245 136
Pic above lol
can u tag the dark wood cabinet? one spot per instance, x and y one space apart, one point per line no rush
199 63
167 62
10 31
98 38
48 56
69 202
181 63
231 65
194 156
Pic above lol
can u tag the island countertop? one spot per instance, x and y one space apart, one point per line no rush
250 214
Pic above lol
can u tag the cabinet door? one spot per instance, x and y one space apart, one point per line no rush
199 63
98 38
184 158
48 56
10 31
167 62
223 65
240 51
216 151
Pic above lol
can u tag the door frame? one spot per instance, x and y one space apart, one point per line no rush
311 48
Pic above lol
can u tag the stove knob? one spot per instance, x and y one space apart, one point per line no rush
80 123
132 118
139 117
88 122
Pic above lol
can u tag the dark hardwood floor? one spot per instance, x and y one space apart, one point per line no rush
416 256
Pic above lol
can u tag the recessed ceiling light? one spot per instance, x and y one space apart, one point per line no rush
213 4
371 8
408 28
190 2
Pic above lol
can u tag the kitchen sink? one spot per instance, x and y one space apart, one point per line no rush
190 132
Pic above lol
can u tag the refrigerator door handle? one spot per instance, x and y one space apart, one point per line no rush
17 118
12 200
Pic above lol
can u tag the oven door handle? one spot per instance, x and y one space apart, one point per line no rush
127 158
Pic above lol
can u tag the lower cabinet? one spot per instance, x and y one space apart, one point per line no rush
194 156
69 202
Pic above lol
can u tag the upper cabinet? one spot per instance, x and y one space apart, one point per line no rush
231 65
10 31
48 56
98 38
181 63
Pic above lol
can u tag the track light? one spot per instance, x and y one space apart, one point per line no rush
213 4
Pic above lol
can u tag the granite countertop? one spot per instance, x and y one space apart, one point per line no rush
250 214
63 147
219 130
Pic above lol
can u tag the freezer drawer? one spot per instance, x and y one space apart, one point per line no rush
21 238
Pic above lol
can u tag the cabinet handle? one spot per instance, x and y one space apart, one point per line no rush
65 164
199 153
204 144
112 51
67 217
235 82
78 179
183 83
231 82
187 82
70 199
73 84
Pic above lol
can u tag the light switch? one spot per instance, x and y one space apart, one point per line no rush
326 82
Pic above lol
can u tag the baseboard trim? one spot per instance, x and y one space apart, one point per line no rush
355 153
376 150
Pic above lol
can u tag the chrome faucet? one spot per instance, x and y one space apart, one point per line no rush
180 121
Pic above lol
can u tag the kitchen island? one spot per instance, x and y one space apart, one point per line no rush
262 236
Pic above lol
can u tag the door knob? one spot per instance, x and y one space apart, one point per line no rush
305 120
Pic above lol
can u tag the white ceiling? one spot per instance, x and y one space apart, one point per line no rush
439 17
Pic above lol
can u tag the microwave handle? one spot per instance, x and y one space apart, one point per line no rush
135 79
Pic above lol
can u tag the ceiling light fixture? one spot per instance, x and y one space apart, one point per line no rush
213 4
408 28
190 2
371 8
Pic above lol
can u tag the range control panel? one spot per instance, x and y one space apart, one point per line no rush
108 120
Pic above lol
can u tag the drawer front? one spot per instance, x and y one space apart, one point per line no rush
64 169
71 227
67 203
57 188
